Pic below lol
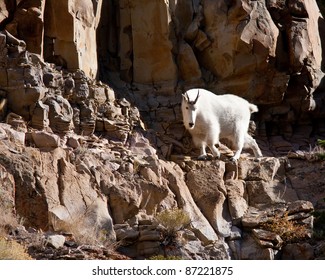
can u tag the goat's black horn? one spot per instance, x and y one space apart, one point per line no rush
197 97
187 98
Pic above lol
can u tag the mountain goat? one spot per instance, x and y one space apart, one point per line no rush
209 118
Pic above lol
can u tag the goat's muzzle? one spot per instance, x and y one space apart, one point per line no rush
191 125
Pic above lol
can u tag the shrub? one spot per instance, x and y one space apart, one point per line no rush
173 220
12 250
290 231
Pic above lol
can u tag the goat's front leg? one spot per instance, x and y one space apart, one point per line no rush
203 154
215 151
236 156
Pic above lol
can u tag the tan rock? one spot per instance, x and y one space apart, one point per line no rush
187 64
238 45
45 140
264 169
301 179
199 223
4 11
126 234
251 250
237 199
260 192
60 114
303 36
127 199
267 238
40 116
16 134
7 194
76 43
209 193
147 21
56 241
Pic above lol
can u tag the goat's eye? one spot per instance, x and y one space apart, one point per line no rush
186 108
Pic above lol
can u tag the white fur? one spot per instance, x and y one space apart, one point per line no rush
214 117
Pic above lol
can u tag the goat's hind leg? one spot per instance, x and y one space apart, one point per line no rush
238 144
251 143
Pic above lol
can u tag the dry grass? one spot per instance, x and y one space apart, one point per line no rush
85 234
290 231
316 153
82 230
173 220
321 149
7 221
11 250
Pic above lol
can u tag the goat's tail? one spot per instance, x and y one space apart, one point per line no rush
253 108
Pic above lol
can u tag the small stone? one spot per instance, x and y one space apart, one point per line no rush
55 241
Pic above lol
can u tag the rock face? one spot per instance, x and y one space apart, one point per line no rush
67 38
77 155
268 52
115 192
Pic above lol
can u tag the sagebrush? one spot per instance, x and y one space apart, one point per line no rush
290 231
173 220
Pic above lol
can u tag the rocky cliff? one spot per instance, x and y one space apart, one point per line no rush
92 143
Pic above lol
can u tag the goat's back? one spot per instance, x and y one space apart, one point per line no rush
221 112
226 104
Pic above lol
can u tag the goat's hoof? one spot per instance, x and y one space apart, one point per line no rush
258 159
202 157
233 159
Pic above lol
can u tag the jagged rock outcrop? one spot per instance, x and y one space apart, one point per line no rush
67 38
112 189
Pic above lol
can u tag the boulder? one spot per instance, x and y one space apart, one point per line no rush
56 241
45 140
263 170
261 192
60 114
298 251
250 249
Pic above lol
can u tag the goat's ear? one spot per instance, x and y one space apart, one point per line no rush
185 97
